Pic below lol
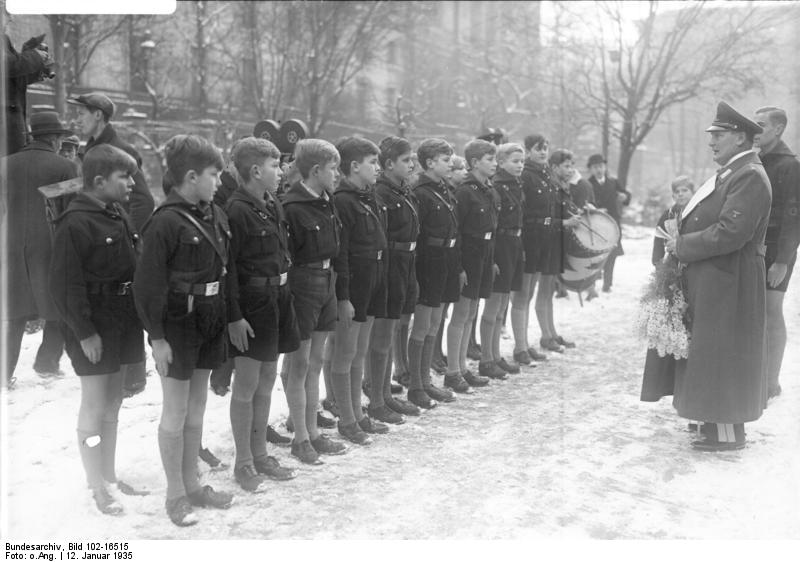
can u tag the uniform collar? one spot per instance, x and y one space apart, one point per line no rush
401 188
242 194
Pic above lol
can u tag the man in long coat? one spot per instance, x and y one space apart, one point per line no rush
28 241
721 239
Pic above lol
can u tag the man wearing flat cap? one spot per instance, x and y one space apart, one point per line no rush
721 240
94 113
28 242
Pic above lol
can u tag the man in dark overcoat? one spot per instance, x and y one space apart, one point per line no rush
783 233
28 241
721 241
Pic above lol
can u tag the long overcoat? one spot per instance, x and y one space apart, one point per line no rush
29 234
722 242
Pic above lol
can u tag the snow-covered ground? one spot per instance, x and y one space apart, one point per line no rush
564 450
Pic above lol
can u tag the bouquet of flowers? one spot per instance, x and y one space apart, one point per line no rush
663 316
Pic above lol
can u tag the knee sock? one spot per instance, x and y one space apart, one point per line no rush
192 437
241 412
108 446
90 447
341 393
520 328
438 346
170 444
377 371
415 364
258 434
312 405
356 391
425 363
487 336
387 377
401 349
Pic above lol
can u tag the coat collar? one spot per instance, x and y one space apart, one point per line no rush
241 194
780 149
724 174
38 145
298 193
106 136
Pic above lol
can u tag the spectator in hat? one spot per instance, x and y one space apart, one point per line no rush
69 148
721 241
610 195
28 241
94 113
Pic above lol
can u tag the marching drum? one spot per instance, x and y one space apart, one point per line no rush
586 249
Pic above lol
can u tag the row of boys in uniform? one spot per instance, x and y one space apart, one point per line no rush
265 278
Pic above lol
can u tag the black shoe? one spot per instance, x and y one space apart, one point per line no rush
305 452
402 407
250 480
475 380
591 295
709 445
474 351
774 392
439 365
219 389
129 490
324 445
606 289
133 389
522 357
550 344
11 382
211 460
368 425
420 398
386 415
561 294
352 432
273 469
535 355
106 503
331 406
396 388
48 370
456 382
403 379
439 394
507 367
289 424
491 370
180 512
276 438
208 497
566 343
325 422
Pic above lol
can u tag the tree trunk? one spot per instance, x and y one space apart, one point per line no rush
58 33
200 55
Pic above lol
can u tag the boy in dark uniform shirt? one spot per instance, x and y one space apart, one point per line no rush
261 317
360 282
507 256
439 271
402 231
94 257
477 222
179 291
313 242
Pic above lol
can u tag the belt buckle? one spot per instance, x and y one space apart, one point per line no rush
326 263
124 288
451 243
487 236
284 278
211 289
412 247
547 221
380 254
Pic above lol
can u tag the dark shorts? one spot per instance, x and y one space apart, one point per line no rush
114 318
508 257
438 270
314 292
368 287
198 338
401 284
769 259
270 313
477 259
543 250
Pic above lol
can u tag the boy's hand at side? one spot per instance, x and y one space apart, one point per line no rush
93 348
238 332
346 312
462 280
162 354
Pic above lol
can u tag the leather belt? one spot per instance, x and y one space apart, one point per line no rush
403 246
277 281
441 242
109 288
370 255
198 289
324 264
515 232
484 236
547 221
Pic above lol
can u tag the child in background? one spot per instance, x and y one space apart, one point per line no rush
682 191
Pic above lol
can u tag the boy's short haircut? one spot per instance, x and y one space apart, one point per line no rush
477 149
430 149
504 151
354 149
392 148
776 115
250 151
312 152
103 160
458 163
681 181
535 140
559 156
190 152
